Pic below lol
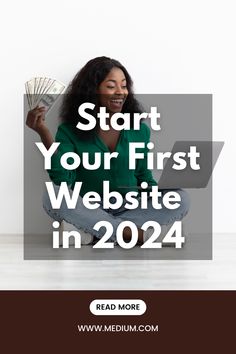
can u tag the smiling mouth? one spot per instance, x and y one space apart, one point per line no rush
118 101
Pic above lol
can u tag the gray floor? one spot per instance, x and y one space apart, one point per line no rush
219 273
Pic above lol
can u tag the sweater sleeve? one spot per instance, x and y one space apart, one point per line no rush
57 173
142 173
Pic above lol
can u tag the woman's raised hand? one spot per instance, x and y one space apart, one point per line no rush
36 120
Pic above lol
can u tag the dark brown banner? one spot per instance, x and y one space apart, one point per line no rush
62 321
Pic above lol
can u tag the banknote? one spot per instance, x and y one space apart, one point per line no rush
43 91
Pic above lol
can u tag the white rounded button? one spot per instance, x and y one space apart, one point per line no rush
116 307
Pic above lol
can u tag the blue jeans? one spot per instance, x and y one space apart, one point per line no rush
84 218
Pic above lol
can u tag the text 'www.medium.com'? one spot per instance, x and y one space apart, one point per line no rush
118 328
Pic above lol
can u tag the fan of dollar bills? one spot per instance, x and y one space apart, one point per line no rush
43 91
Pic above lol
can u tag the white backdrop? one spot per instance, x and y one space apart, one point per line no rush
168 46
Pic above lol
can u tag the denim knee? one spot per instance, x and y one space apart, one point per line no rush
54 214
185 202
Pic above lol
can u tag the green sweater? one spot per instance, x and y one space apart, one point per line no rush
119 174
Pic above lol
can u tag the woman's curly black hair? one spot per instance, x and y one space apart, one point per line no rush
83 88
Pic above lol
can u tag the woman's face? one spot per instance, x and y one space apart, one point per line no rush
113 91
